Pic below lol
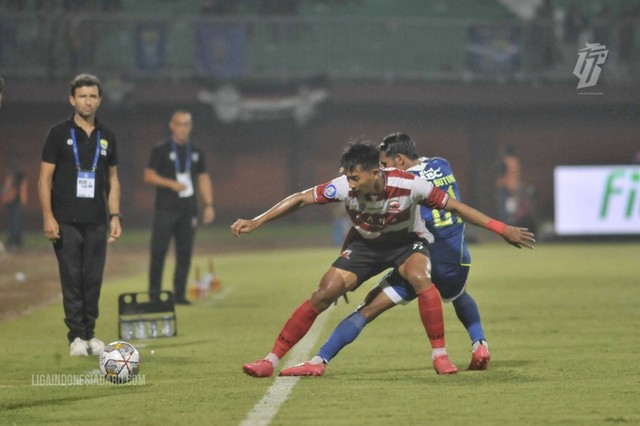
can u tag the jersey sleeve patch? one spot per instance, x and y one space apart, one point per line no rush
332 191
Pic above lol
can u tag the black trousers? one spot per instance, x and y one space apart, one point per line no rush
81 252
181 226
15 224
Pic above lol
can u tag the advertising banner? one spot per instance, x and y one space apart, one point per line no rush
597 200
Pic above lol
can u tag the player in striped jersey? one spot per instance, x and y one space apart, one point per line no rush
450 262
383 205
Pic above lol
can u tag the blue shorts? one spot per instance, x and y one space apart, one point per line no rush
449 279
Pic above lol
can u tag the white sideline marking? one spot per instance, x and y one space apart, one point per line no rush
265 410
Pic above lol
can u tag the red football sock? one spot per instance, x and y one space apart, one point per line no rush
430 307
295 328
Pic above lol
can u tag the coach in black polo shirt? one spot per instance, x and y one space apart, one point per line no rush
80 198
177 169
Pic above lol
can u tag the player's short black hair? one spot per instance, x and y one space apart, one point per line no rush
399 143
360 153
85 80
1 84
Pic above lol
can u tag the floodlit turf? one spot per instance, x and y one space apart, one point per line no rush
562 322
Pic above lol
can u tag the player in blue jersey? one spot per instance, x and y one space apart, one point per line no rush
450 262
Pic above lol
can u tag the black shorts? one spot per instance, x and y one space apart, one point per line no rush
367 259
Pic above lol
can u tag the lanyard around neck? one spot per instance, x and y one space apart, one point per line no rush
176 159
94 166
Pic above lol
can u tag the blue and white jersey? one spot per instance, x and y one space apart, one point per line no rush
447 228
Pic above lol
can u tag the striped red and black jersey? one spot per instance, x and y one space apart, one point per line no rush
394 214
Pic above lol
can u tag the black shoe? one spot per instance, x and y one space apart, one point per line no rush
182 301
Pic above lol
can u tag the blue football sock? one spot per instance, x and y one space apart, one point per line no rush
467 311
345 333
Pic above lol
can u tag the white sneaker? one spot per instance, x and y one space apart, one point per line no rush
96 346
78 347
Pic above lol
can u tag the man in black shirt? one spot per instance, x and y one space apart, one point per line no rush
177 169
80 197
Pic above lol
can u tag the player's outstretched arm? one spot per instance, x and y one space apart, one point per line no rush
290 204
517 237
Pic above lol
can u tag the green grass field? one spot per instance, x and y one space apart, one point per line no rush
562 322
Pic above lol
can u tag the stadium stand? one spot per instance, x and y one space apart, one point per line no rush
359 39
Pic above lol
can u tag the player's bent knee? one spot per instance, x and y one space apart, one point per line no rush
369 313
328 292
419 281
321 299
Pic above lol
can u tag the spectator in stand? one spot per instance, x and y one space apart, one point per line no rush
627 24
508 184
14 199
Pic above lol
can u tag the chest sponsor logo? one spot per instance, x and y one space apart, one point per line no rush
375 222
431 173
104 144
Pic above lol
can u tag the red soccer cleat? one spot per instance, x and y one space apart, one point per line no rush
259 368
304 369
443 365
480 358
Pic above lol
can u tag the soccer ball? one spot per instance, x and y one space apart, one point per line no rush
119 362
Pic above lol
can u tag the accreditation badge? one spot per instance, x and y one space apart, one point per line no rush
86 185
185 179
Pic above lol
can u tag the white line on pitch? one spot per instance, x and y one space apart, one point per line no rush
265 410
